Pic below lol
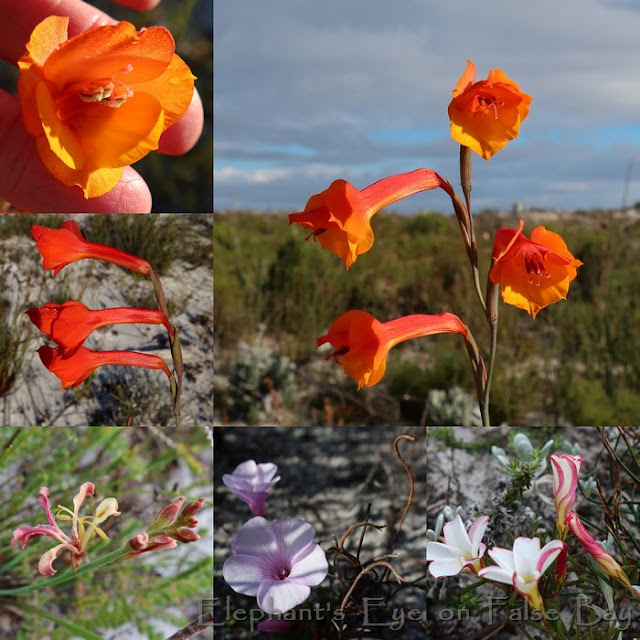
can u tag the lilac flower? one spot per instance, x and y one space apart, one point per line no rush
252 482
277 563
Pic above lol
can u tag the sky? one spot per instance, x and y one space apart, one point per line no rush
306 92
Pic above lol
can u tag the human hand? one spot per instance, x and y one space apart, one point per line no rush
24 180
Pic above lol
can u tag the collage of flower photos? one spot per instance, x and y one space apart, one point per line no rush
426 389
106 320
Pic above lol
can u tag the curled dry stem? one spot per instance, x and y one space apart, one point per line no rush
369 567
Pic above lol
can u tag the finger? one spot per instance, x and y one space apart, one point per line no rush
182 136
20 18
26 183
139 5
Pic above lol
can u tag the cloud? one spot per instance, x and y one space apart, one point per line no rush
303 89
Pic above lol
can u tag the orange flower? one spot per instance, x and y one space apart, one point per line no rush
60 247
340 216
99 101
485 115
361 343
69 324
532 273
75 368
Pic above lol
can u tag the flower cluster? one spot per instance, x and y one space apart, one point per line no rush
99 101
82 528
173 524
523 566
69 324
531 273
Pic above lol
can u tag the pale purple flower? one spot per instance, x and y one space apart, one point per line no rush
461 549
252 482
278 563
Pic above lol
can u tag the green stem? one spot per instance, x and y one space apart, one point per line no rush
67 576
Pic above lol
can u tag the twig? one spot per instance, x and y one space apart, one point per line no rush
373 565
202 623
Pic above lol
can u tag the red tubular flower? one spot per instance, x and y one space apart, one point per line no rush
60 247
340 216
485 115
532 273
69 324
361 343
73 369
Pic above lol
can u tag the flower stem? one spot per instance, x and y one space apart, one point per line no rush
176 351
67 576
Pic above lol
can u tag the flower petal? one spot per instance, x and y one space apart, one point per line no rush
278 596
312 569
244 574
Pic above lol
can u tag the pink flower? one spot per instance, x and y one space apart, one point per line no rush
80 533
523 567
276 562
565 483
252 482
173 524
462 550
604 559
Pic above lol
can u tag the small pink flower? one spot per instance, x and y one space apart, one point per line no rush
565 483
80 534
172 525
462 550
278 563
604 559
252 482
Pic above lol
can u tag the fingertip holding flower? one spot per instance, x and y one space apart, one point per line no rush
99 101
340 216
532 273
361 343
485 115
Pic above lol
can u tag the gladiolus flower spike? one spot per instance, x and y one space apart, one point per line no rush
532 273
99 101
361 343
485 115
340 217
82 528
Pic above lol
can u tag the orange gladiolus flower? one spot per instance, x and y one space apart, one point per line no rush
485 115
532 273
340 216
73 369
361 343
60 247
99 101
69 324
